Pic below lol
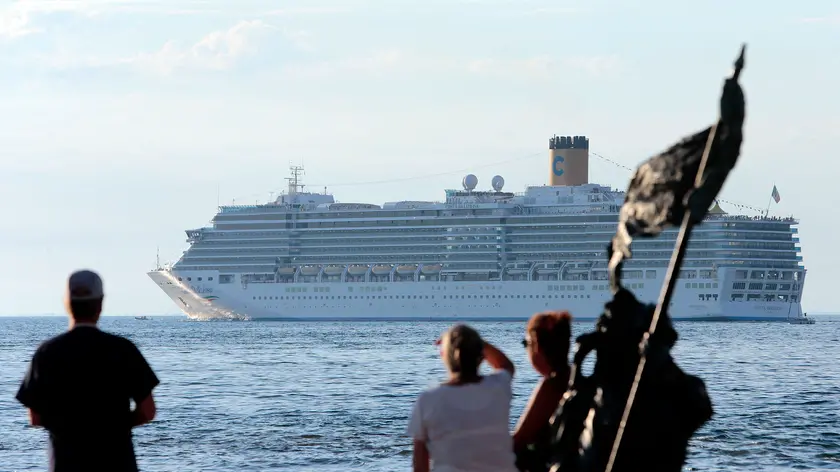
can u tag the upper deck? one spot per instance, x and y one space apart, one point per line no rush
470 231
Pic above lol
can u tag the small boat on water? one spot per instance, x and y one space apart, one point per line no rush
142 318
801 320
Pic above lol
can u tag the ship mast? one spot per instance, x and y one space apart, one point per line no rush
294 180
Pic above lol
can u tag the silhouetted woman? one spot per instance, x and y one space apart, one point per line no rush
547 342
463 424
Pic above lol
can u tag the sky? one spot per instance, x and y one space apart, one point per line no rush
124 123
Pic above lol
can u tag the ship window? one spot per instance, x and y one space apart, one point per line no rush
189 278
180 279
209 278
199 279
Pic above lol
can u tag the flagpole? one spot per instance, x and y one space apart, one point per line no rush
769 202
671 273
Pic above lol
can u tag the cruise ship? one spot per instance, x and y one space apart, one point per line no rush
480 254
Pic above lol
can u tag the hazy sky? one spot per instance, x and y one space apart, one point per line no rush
123 122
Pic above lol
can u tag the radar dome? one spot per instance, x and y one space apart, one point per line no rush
498 183
470 181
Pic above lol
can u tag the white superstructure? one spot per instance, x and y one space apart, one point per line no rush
480 254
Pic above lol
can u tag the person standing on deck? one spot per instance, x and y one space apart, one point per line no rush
79 387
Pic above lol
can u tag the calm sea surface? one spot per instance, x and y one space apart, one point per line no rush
265 396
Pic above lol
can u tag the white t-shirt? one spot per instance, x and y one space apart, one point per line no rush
466 427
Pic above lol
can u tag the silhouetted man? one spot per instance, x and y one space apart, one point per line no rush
79 386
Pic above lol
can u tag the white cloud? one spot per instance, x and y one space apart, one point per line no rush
218 50
15 22
376 63
833 20
307 11
16 18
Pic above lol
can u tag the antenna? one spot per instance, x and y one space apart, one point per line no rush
157 259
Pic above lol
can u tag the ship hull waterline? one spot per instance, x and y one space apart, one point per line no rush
450 301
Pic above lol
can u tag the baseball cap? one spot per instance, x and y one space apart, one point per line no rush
84 285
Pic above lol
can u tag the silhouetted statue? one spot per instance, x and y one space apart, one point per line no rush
638 410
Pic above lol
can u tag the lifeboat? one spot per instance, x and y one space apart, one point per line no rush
407 269
431 269
334 270
310 271
382 270
358 270
286 271
547 270
578 268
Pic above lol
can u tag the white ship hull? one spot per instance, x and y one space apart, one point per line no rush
703 300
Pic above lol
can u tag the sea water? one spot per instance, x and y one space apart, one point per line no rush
324 396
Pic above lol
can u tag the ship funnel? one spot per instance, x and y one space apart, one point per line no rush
569 160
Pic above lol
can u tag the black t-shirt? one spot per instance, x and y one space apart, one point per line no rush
80 383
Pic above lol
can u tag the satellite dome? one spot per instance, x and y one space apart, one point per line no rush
470 181
498 183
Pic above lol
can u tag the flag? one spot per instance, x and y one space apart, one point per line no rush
775 194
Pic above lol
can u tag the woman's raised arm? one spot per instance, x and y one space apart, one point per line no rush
497 359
